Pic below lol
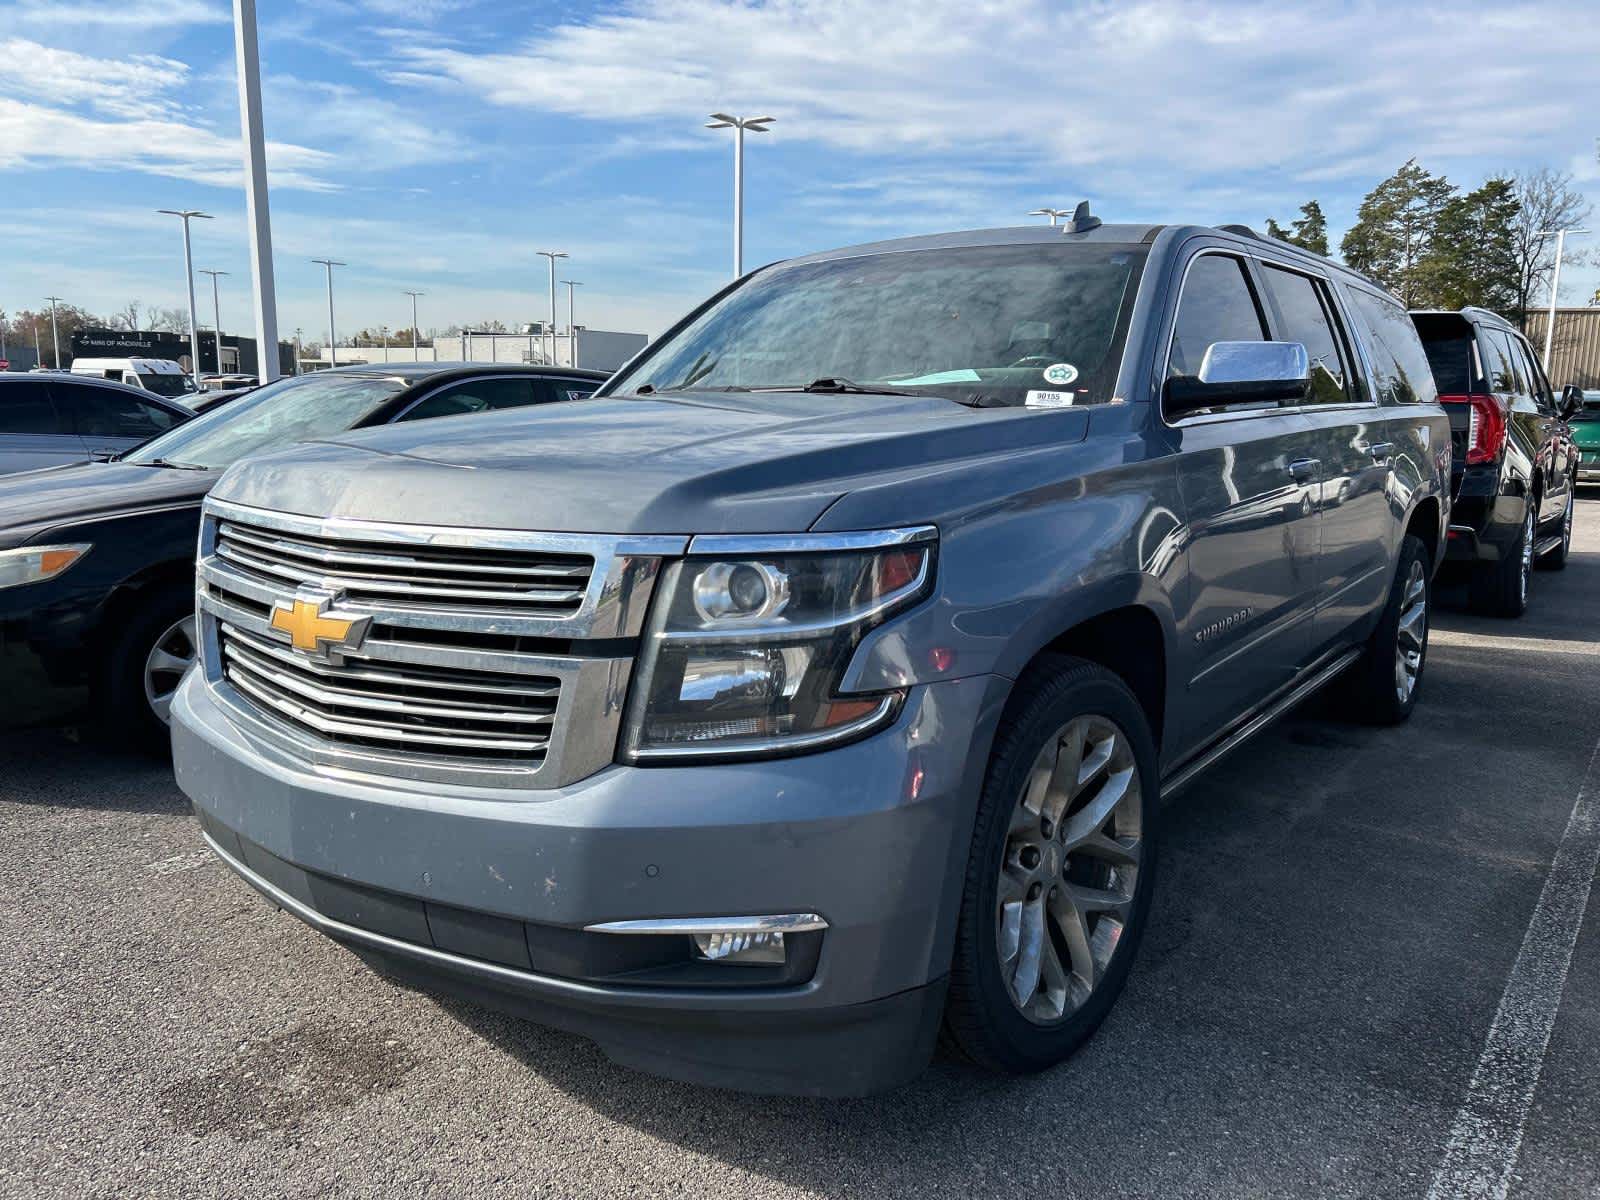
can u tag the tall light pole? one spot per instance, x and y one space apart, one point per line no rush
1555 284
55 337
738 125
188 214
572 322
333 351
416 353
216 316
247 55
552 255
1053 213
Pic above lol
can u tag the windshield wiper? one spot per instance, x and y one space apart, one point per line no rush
715 387
838 385
172 466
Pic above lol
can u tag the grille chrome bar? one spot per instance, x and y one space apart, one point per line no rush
288 679
394 587
304 548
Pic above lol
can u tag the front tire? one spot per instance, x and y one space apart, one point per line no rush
1061 870
148 656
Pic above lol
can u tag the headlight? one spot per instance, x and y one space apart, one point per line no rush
745 653
34 564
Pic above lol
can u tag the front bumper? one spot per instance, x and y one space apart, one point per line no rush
872 836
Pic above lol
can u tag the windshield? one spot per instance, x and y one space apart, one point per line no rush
985 325
172 386
291 410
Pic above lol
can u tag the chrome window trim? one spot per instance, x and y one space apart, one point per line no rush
731 544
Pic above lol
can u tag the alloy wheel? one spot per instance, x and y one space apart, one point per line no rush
1071 867
1411 638
172 655
1526 565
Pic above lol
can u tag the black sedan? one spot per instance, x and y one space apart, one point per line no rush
97 559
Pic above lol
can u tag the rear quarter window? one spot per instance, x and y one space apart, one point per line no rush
1400 365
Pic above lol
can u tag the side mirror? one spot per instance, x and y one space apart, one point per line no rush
1571 401
1242 373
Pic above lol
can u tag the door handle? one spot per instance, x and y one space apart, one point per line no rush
1381 451
1302 469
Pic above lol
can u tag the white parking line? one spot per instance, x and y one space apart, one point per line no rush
1487 1135
1486 641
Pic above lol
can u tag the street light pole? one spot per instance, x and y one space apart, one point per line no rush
416 352
572 322
738 125
188 214
333 352
552 255
55 337
216 318
1555 284
1052 213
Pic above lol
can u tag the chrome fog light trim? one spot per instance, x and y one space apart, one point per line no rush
783 923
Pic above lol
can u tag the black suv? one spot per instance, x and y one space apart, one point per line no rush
1514 462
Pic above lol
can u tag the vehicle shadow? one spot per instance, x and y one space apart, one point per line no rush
920 1139
69 768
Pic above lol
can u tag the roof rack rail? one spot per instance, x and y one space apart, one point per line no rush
1242 231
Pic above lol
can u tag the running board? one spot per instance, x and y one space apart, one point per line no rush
1545 545
1185 775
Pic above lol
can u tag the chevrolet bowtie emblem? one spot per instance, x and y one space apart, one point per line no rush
315 630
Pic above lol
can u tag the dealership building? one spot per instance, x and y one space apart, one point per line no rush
595 349
238 353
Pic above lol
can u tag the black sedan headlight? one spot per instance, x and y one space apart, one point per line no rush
746 651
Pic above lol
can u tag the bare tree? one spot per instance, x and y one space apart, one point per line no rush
127 317
169 320
1549 202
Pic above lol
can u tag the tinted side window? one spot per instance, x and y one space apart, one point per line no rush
570 389
25 408
111 412
1306 316
1499 367
1217 305
1404 374
475 395
1528 363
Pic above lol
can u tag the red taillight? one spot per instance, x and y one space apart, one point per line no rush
1486 426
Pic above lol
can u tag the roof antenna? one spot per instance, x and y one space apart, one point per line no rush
1082 220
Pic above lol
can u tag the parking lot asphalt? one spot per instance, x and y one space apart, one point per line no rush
1340 913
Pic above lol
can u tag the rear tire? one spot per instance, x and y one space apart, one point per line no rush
1556 560
1061 869
1500 589
147 658
1381 687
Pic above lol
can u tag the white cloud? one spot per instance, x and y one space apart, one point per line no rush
1177 87
146 15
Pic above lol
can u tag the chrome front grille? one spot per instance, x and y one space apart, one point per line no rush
485 657
438 577
424 710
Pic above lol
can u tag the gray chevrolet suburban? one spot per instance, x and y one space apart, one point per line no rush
817 684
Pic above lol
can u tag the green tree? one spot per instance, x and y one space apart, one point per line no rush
1474 255
1392 239
1309 232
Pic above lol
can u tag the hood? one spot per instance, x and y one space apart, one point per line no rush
33 501
693 463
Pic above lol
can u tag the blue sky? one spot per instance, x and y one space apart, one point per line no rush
438 144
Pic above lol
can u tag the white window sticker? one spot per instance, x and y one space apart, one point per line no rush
1049 400
1060 374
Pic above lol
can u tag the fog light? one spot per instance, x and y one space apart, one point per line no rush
747 949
